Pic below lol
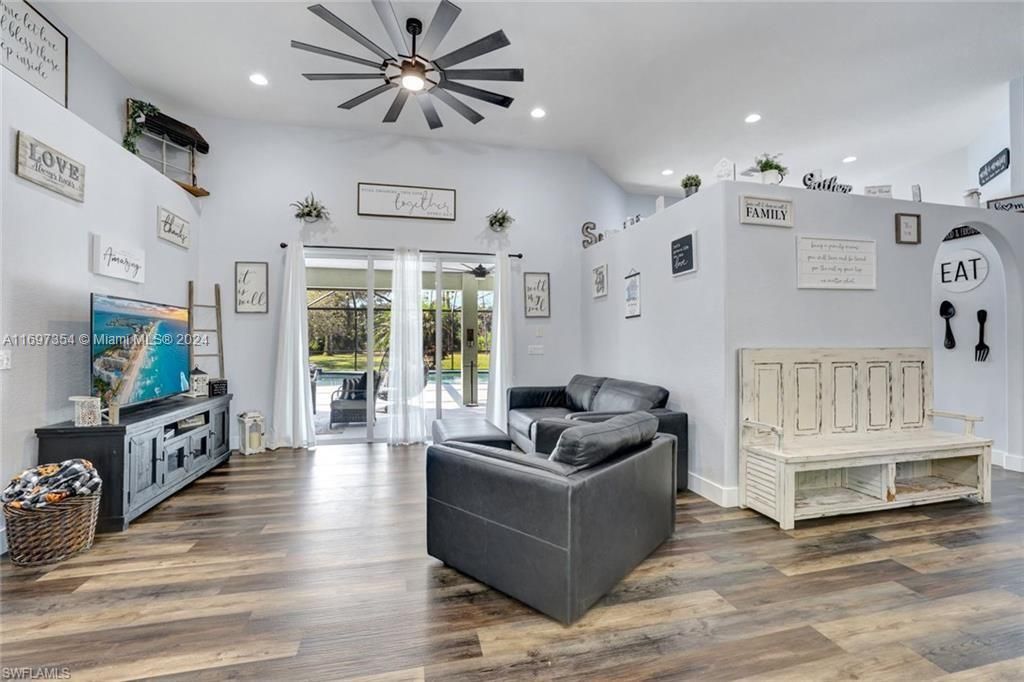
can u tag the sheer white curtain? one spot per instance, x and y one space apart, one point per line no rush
407 423
292 417
500 373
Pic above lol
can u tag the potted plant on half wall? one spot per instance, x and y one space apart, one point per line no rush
690 184
772 172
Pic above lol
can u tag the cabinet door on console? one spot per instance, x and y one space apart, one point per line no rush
219 428
145 477
176 460
200 449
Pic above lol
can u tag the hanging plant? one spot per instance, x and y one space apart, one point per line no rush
500 220
137 113
310 209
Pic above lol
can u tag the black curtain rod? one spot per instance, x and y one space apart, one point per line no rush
284 245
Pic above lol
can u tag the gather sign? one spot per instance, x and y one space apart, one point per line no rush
42 164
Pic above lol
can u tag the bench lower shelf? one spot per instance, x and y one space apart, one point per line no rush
812 503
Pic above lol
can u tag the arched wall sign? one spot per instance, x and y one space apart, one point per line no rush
961 270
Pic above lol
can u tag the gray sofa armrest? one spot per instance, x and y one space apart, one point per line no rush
536 396
548 431
529 461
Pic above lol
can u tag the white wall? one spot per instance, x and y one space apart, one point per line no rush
254 171
46 278
961 384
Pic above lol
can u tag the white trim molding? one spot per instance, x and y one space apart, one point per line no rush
721 495
1001 458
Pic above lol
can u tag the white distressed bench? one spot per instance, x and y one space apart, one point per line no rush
827 431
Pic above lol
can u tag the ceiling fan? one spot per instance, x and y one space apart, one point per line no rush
415 69
480 271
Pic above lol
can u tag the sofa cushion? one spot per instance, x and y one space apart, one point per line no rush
616 395
580 391
523 418
590 444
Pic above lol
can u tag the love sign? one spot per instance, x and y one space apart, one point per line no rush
47 167
251 287
961 270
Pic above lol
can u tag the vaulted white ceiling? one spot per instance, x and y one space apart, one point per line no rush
637 87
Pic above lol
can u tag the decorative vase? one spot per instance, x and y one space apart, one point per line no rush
771 177
113 412
690 191
309 219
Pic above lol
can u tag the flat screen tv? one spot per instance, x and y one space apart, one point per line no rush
139 350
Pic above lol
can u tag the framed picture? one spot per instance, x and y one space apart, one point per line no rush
173 228
251 287
537 294
632 295
35 50
835 263
405 201
600 281
47 167
766 211
684 255
908 228
112 258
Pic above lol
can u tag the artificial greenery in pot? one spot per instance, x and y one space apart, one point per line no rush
310 209
500 220
772 172
690 184
137 113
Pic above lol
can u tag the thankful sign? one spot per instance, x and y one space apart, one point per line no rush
47 167
33 49
173 228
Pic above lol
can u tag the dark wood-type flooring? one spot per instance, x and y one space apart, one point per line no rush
298 565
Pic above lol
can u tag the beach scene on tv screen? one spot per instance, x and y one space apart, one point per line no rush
138 350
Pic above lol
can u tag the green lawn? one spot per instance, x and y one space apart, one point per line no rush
347 363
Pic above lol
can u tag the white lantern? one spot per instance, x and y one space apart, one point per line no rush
250 433
200 384
87 410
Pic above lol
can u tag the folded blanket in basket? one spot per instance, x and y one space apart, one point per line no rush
50 483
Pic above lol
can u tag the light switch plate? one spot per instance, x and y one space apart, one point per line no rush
536 349
5 358
538 332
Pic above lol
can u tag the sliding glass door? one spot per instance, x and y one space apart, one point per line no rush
349 294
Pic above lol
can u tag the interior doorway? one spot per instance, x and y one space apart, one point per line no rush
971 354
349 315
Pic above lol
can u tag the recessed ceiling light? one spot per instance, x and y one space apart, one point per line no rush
667 171
538 113
752 118
849 159
258 79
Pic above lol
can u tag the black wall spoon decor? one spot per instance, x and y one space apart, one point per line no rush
981 350
946 312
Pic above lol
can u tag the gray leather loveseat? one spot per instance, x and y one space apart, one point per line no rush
592 399
556 535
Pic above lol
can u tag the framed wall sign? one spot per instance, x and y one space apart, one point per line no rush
34 49
251 287
537 294
830 263
405 201
47 167
908 228
961 232
1014 203
684 255
765 211
994 167
600 281
173 228
882 191
632 295
961 270
112 258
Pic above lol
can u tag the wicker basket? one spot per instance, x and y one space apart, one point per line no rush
52 533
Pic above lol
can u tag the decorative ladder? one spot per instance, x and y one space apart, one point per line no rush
192 305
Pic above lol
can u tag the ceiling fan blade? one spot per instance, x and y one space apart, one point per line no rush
388 17
341 76
345 28
484 74
455 103
429 112
444 17
298 45
396 106
366 96
470 91
494 41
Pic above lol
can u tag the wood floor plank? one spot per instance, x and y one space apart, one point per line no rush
892 663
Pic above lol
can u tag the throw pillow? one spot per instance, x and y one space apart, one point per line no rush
590 444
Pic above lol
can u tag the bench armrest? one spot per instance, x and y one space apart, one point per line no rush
762 426
968 420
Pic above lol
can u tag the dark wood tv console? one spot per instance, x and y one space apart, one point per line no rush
150 455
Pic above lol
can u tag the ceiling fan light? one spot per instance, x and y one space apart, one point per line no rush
411 81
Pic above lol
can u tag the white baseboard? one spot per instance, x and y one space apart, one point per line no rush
1001 458
720 495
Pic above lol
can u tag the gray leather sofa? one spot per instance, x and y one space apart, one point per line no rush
549 534
592 399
